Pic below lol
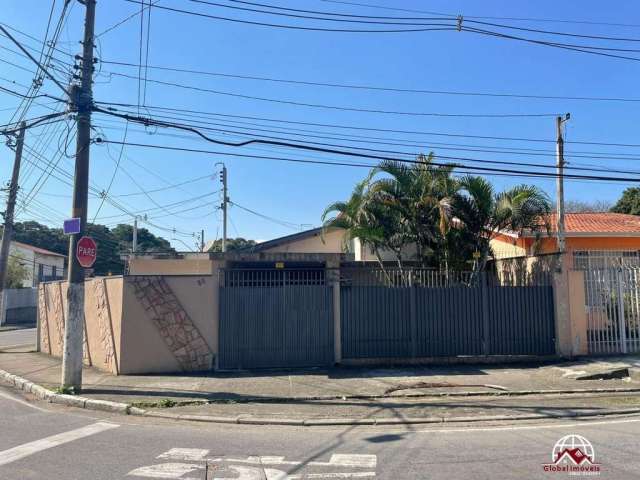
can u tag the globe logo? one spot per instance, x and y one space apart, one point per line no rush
573 449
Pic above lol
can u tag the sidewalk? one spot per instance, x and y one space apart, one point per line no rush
340 391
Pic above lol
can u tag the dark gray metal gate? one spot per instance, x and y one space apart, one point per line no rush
275 318
446 321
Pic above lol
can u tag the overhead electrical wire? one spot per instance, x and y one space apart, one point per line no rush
484 170
373 129
523 19
431 27
373 87
338 107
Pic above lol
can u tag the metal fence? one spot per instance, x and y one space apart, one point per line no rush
425 277
612 297
418 321
275 318
268 277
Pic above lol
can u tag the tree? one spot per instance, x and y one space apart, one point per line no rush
580 206
111 242
482 213
373 223
629 202
420 194
232 244
17 271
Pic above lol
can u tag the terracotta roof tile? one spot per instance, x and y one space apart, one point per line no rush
604 222
39 250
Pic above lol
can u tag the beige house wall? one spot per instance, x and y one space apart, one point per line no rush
170 266
330 242
571 314
503 249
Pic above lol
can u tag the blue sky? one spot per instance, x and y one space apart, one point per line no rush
298 193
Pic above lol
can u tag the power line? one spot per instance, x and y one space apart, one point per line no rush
294 226
26 52
582 49
524 19
412 153
485 170
352 127
550 32
432 27
374 87
326 17
338 107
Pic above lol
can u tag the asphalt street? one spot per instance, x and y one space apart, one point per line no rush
18 338
41 441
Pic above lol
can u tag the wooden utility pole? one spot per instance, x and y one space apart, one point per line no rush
560 227
7 233
81 99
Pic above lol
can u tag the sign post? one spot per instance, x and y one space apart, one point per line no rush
86 251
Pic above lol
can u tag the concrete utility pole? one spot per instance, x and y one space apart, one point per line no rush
82 102
225 201
8 217
202 240
134 243
560 230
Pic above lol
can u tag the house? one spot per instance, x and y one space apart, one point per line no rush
592 239
42 265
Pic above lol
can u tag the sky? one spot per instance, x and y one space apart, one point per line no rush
290 196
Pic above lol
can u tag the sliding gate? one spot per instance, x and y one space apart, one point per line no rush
272 318
612 297
430 314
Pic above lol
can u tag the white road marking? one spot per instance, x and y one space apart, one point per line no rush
528 427
334 475
22 402
166 470
253 467
336 460
346 460
193 454
22 451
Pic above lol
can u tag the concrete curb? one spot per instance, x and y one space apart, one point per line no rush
43 393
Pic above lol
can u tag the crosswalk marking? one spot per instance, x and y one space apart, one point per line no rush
193 454
256 467
336 460
22 451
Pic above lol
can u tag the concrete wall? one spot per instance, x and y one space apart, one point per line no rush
200 265
167 322
19 305
103 314
571 313
138 324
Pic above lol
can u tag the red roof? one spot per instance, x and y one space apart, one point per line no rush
39 250
593 224
603 222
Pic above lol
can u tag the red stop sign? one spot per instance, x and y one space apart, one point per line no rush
86 251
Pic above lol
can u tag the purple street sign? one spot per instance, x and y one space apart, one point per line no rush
71 226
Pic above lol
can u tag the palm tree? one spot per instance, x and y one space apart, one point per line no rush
420 196
482 213
357 217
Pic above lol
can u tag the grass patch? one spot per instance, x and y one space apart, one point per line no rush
66 391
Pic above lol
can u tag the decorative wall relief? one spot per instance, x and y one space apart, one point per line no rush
173 323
